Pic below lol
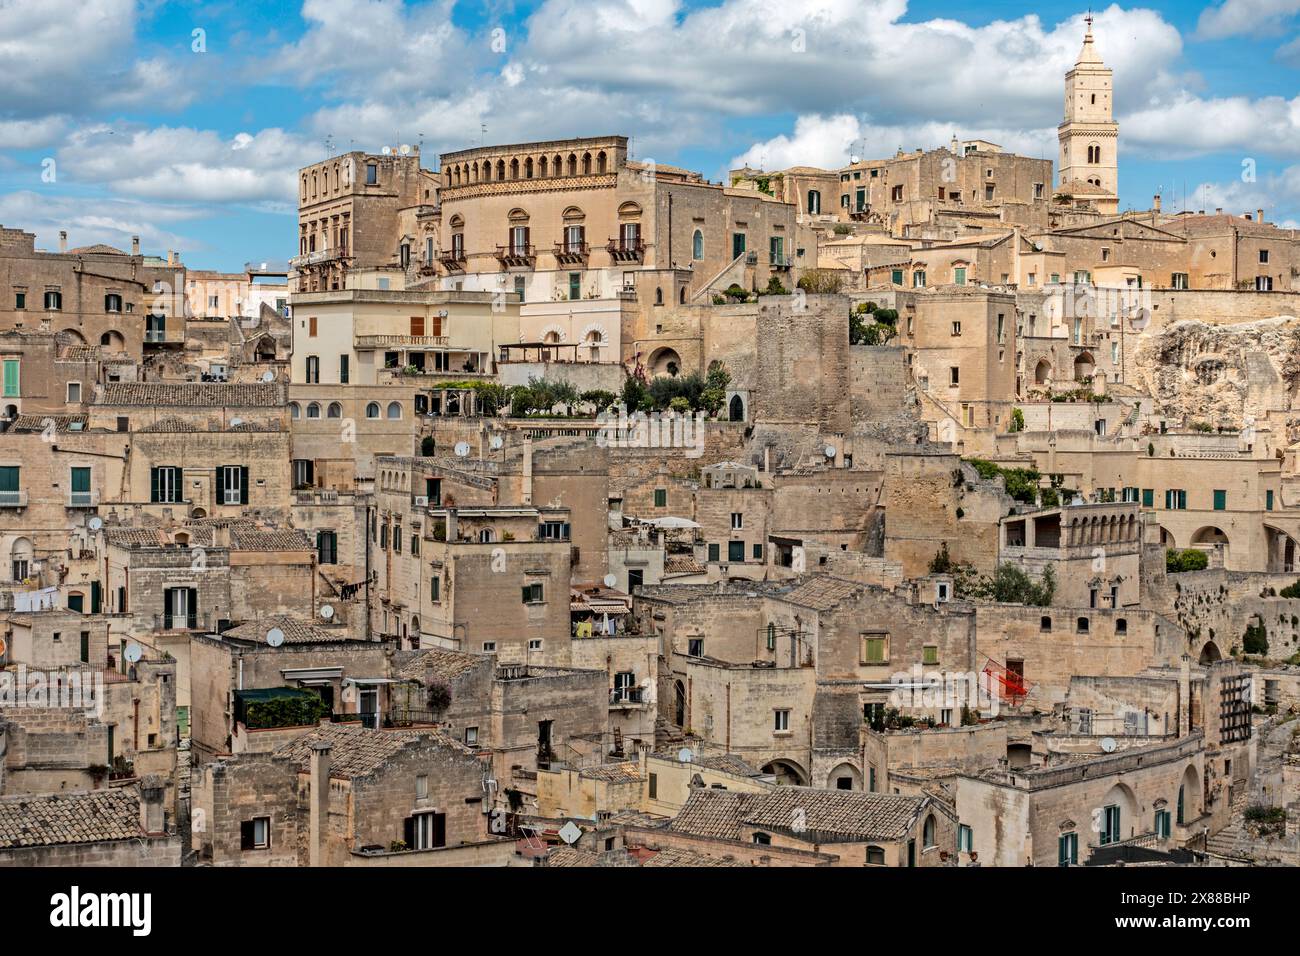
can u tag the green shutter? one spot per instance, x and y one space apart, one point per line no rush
243 486
9 478
1148 498
11 378
219 494
1220 499
153 484
714 551
81 480
1268 500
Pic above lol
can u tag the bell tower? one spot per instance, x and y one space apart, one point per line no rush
1089 135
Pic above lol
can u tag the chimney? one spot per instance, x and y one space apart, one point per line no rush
643 760
63 240
1259 216
135 245
1155 202
152 818
1218 210
320 800
1184 697
171 257
221 536
528 470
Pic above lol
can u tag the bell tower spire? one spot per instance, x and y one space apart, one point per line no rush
1089 135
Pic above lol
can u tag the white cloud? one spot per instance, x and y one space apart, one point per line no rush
1246 17
87 222
1189 125
31 133
183 164
1278 194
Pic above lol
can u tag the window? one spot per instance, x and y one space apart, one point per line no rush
929 836
232 485
661 497
697 245
1045 623
1067 849
714 553
11 378
896 277
520 288
327 547
74 392
1179 280
1220 499
959 275
737 520
471 736
344 371
1148 498
1110 827
896 194
695 647
735 551
654 786
762 839
532 593
427 831
1163 818
53 300
875 649
112 302
781 721
1175 499
20 300
1263 257
489 647
1263 283
956 328
255 834
313 369
875 856
335 410
1268 500
930 654
313 410
165 484
372 174
954 376
1081 625
965 839
372 410
535 644
758 552
435 589
918 279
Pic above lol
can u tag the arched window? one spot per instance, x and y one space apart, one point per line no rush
372 410
394 410
928 832
814 202
334 411
313 410
875 856
697 245
294 410
659 296
681 295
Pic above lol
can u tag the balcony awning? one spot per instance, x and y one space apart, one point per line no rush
370 681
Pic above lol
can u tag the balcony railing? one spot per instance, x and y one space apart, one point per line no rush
364 342
312 258
779 260
453 260
13 499
626 250
155 335
571 251
83 499
626 696
517 254
182 622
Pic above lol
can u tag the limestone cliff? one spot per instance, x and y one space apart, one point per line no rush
1220 373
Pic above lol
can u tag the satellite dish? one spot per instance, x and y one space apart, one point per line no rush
268 376
236 421
274 637
326 611
496 442
462 449
570 833
387 150
610 580
1108 744
685 755
406 149
854 160
95 523
133 653
829 451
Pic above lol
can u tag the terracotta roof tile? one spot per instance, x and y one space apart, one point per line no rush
64 818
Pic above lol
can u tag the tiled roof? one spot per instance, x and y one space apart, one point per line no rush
36 423
682 564
824 815
822 592
64 818
295 630
98 249
853 814
728 763
80 353
244 536
627 771
195 394
359 752
171 424
680 856
269 539
435 663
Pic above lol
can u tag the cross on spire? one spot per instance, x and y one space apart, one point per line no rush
1088 20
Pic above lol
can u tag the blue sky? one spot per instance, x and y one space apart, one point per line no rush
117 118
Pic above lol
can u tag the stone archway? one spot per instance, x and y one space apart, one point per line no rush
787 772
1042 372
1210 653
844 777
665 361
736 409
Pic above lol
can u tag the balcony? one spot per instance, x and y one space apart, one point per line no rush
516 254
155 336
626 250
13 499
367 342
779 260
626 698
182 622
453 260
315 258
571 252
83 499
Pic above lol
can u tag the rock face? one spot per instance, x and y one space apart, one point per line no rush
1221 373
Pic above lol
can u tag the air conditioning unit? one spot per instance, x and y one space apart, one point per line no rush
421 501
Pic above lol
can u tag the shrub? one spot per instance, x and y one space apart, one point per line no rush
817 281
774 287
427 446
1017 421
1290 591
1255 640
1177 561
